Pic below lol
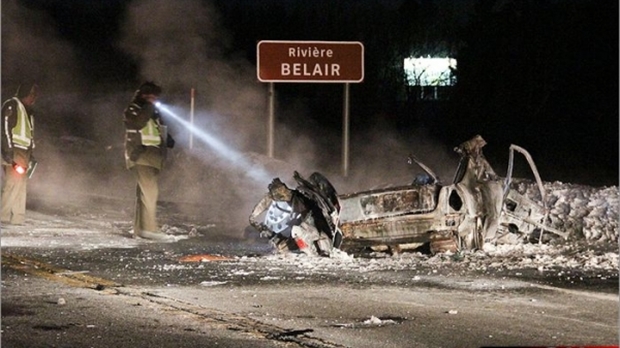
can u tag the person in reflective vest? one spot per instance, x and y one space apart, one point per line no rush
17 148
146 140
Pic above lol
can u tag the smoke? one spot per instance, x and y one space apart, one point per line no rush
32 51
181 45
379 159
173 41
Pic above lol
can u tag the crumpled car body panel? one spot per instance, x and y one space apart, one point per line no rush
477 207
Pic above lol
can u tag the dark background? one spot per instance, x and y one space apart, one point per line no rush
541 74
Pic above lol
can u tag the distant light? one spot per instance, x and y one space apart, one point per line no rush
430 71
158 104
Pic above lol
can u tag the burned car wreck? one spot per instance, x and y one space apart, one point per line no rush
303 219
478 207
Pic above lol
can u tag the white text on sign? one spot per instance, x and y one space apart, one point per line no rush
310 61
310 52
303 69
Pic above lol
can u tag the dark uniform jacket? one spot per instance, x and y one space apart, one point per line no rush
136 116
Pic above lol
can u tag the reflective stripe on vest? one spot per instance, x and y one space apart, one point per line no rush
22 132
150 134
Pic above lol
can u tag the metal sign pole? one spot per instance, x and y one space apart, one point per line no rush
271 121
345 132
310 61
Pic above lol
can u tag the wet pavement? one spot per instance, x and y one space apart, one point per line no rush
251 261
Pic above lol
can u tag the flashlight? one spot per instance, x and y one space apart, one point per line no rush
19 169
158 104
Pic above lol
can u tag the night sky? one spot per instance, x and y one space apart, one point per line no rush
541 74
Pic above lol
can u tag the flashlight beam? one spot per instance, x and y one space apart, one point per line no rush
191 117
222 150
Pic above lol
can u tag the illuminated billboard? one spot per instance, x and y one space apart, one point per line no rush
430 71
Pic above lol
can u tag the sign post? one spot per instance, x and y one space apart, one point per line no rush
311 62
271 121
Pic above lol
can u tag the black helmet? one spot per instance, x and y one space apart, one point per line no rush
279 191
25 89
149 87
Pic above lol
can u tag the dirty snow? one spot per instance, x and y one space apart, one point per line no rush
584 211
590 214
542 258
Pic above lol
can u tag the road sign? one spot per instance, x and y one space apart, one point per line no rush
310 61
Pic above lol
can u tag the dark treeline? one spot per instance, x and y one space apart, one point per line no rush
539 73
545 74
542 74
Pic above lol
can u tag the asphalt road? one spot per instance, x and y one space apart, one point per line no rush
80 280
60 309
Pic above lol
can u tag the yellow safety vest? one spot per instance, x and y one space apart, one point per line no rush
150 134
22 132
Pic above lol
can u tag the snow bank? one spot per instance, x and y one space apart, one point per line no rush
595 259
583 211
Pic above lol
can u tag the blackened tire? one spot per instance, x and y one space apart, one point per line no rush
327 189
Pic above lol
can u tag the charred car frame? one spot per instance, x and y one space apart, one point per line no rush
477 207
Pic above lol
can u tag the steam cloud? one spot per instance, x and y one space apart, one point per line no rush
180 45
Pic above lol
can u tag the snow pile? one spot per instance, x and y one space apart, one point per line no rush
583 211
375 321
541 257
544 257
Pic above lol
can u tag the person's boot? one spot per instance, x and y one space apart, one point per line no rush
155 236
